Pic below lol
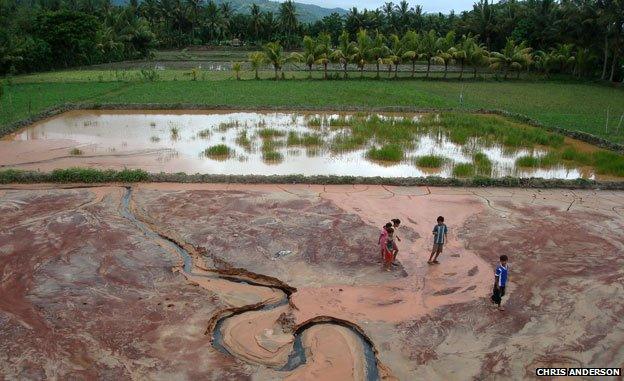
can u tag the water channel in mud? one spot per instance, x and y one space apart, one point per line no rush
176 141
297 357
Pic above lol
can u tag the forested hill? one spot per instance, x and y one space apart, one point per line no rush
307 12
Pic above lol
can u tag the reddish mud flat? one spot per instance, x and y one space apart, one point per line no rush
283 282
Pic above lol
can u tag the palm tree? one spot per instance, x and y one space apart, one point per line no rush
274 54
256 59
483 21
411 44
477 56
445 50
309 53
513 56
379 50
255 21
345 50
563 55
464 49
288 19
361 50
323 51
428 47
395 53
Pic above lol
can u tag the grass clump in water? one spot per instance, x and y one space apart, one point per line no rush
463 170
429 161
269 133
154 139
175 133
347 142
204 134
220 151
272 156
76 152
549 160
306 139
482 164
315 121
224 126
339 121
243 140
388 152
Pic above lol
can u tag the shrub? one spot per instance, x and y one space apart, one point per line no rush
429 161
463 170
219 151
482 164
268 133
388 152
273 156
76 152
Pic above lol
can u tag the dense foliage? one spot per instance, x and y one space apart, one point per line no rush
584 37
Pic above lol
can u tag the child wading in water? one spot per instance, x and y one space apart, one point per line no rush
439 239
500 281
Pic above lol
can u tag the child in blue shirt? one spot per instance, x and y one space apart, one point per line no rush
500 281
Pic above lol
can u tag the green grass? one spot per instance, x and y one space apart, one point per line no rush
490 129
429 161
482 164
551 159
76 152
219 151
272 156
305 139
90 175
243 140
204 134
388 152
608 163
575 106
463 170
223 127
269 133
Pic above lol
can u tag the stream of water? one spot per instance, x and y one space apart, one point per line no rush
297 356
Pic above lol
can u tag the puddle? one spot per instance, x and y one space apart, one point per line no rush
173 141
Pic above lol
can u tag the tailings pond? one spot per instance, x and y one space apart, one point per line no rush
282 143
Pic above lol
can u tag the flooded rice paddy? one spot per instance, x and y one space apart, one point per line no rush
282 143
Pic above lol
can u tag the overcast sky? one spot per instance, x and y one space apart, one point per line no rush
444 6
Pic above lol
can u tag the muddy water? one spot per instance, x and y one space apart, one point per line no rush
175 141
297 358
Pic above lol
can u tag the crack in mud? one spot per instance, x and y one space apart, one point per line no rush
490 203
375 370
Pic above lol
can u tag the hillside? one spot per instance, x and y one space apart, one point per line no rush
307 12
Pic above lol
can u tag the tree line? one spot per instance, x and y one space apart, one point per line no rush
413 48
44 34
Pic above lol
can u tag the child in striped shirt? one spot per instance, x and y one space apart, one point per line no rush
440 232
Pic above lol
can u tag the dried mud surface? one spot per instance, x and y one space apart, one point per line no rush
88 295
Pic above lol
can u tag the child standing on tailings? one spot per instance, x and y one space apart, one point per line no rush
440 232
395 224
500 281
383 237
388 249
